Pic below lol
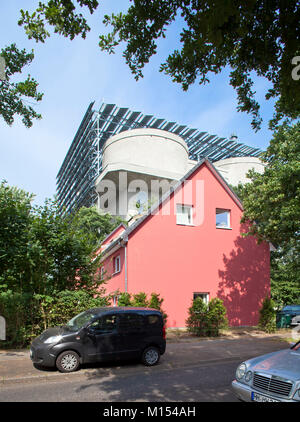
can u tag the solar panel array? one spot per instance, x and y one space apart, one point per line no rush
83 162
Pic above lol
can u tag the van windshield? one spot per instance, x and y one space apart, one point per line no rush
80 320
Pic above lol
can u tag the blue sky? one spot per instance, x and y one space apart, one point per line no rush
73 73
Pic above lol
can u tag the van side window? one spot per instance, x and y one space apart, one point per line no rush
104 324
131 322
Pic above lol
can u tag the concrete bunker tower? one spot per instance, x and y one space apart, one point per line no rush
138 166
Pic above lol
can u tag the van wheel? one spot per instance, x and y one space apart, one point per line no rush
150 356
68 361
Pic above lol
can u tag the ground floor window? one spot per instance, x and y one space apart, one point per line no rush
204 297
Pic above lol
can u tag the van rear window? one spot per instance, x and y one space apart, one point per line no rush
153 320
130 322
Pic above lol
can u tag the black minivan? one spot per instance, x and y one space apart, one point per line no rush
102 334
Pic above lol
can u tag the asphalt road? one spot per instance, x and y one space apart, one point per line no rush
200 382
197 372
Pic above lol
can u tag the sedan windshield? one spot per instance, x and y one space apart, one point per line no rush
296 346
80 320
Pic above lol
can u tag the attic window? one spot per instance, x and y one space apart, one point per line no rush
184 215
222 219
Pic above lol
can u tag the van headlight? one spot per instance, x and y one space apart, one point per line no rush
241 370
53 339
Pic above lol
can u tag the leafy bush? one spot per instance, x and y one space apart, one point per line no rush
267 319
156 303
140 300
206 320
19 313
28 315
124 299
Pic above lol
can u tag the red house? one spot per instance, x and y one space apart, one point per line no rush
189 245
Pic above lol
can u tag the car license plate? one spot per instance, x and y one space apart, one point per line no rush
261 398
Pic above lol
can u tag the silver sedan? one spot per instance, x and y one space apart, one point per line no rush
270 378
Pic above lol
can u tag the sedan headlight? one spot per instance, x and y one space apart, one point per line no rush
53 339
241 370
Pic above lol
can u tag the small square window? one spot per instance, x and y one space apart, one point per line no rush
117 264
222 218
184 214
203 296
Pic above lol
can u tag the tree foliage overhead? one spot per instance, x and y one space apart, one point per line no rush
13 94
251 37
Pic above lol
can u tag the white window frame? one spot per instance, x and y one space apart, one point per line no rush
117 264
223 210
181 216
205 297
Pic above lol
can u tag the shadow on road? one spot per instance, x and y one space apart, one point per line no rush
161 383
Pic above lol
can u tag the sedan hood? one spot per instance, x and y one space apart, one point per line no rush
285 363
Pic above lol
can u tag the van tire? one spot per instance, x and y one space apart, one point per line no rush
68 361
150 356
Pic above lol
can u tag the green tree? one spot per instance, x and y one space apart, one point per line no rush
43 251
272 205
255 37
13 94
15 221
285 274
60 256
95 224
272 200
48 267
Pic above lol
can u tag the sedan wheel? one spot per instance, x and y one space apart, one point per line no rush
67 361
150 356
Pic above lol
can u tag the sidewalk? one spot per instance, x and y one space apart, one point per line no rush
182 350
